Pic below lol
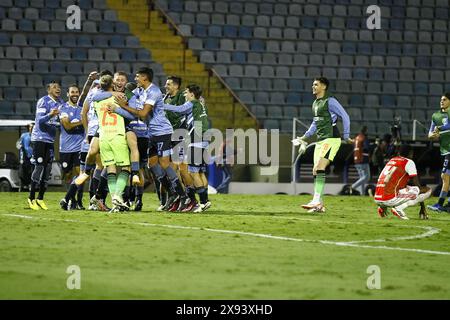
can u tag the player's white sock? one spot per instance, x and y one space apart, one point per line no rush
316 198
420 198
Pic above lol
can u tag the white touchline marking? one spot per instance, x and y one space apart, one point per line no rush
259 235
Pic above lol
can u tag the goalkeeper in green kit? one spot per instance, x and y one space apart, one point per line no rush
326 111
114 151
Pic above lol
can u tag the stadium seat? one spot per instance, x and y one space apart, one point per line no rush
23 108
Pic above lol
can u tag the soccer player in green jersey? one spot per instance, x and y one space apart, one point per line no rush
176 96
326 110
440 129
113 145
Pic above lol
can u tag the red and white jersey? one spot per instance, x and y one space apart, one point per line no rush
394 177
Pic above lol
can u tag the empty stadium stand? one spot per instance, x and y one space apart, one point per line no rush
269 52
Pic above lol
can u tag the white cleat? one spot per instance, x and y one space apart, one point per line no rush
160 208
202 207
317 209
118 202
311 205
399 213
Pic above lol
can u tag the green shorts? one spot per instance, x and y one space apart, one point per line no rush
115 152
326 149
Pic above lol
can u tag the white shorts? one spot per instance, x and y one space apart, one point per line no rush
404 195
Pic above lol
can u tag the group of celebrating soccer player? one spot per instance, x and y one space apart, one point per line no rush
112 131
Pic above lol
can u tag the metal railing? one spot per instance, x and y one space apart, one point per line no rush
294 158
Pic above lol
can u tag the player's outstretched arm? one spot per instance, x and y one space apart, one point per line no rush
183 109
87 85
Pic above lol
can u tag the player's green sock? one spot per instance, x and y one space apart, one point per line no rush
122 181
112 180
319 184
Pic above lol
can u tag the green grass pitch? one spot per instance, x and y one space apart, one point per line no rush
244 247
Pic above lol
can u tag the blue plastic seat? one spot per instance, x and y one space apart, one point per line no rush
122 27
47 14
360 73
211 44
25 25
308 22
394 49
79 54
214 31
421 88
11 94
348 48
75 67
199 30
230 31
245 32
423 62
323 22
364 48
117 41
293 98
388 101
5 39
143 55
57 67
128 55
375 74
239 57
52 40
257 45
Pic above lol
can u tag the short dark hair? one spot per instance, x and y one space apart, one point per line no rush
364 129
147 71
130 86
175 79
404 150
105 72
447 95
73 85
121 73
52 82
195 89
323 80
106 82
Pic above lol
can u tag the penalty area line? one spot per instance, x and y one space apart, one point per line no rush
251 234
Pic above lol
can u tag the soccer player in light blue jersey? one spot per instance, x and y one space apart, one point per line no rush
72 135
43 138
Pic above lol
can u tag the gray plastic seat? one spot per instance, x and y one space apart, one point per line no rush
17 80
221 69
29 53
288 46
19 39
28 94
246 97
95 54
233 20
188 18
248 20
195 44
263 21
285 59
305 34
251 71
336 35
31 13
221 6
94 15
292 22
242 45
223 57
235 71
267 71
63 54
218 19
264 84
373 87
9 25
271 124
233 83
391 74
282 72
13 53
437 75
248 84
279 84
60 26
110 15
225 44
357 86
406 75
89 26
207 57
203 18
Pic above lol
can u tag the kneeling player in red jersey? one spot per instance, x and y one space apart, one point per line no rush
392 190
